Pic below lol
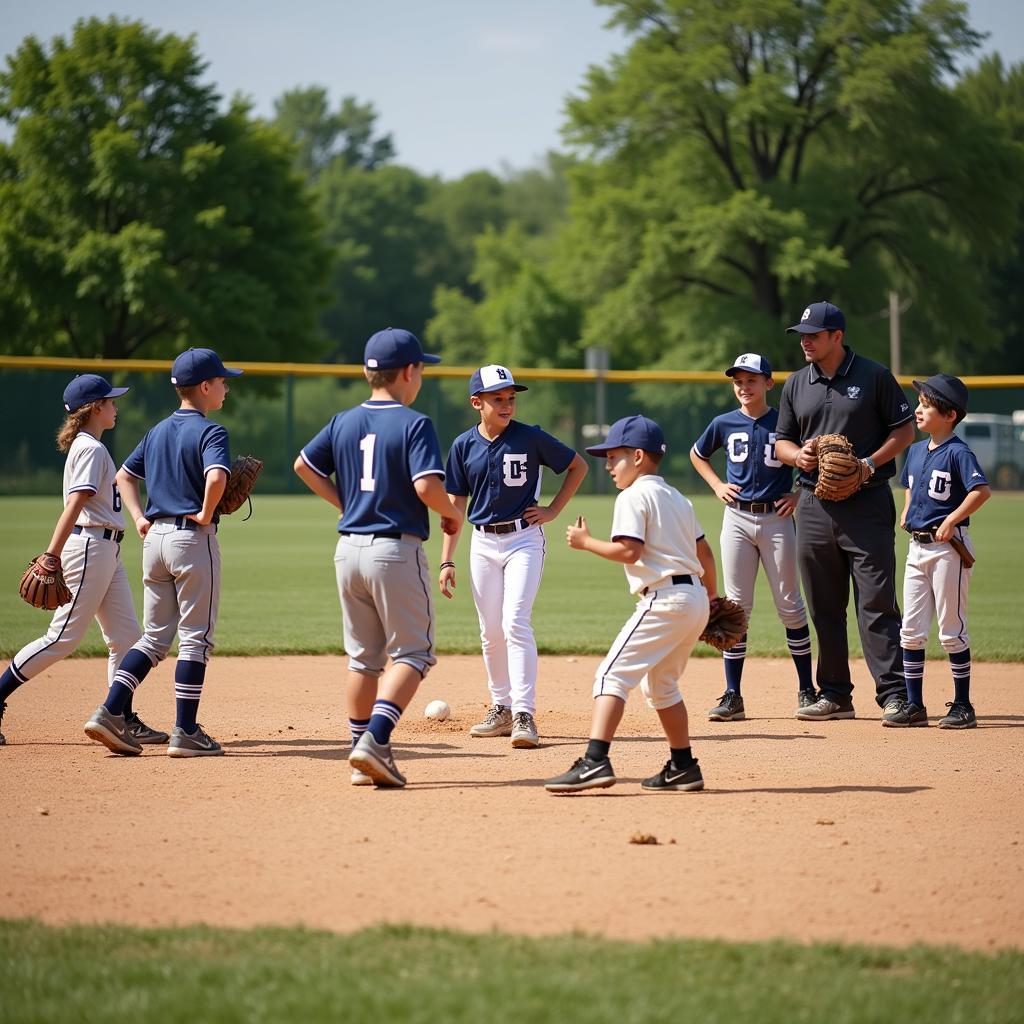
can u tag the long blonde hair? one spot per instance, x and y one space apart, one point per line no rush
74 423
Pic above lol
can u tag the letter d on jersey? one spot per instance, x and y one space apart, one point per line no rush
515 470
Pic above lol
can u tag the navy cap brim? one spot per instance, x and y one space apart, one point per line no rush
116 392
428 358
603 449
501 387
230 372
733 370
808 329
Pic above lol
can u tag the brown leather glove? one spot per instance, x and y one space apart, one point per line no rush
42 584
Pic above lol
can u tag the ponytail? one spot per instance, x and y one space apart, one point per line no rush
73 425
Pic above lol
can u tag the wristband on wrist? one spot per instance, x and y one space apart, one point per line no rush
447 565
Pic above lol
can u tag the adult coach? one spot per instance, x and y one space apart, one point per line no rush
840 392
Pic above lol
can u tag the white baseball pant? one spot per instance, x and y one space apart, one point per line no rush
935 585
505 571
99 589
653 647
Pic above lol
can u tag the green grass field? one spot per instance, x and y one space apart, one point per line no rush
413 975
279 594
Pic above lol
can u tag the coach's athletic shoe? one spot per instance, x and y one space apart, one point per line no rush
672 779
584 774
375 759
142 732
961 716
192 744
497 722
892 711
905 716
524 730
359 778
730 708
112 731
824 708
804 699
3 708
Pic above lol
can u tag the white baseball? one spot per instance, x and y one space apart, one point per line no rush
438 710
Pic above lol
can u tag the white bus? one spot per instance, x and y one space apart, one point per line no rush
998 441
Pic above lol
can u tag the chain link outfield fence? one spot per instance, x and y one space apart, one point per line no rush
276 408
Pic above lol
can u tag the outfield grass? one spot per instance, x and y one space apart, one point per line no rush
279 594
414 975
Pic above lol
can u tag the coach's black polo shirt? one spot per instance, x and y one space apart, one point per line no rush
862 401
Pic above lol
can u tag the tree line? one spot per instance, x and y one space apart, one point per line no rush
726 168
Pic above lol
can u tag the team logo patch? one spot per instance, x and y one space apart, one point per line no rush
807 314
853 392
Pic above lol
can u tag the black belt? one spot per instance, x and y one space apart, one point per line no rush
923 536
676 581
754 506
519 524
184 523
379 535
115 535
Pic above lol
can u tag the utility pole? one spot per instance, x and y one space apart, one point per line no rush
894 333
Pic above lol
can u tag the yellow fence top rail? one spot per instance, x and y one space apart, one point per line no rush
446 372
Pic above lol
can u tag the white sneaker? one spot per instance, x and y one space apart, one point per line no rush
497 722
524 730
360 778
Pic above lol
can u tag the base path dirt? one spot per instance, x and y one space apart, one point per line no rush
830 830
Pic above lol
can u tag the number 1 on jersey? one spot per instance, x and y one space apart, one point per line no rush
366 481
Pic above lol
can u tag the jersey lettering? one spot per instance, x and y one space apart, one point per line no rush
738 446
115 498
515 469
770 458
366 446
938 486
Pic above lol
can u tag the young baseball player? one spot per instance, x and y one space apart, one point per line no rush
87 538
499 463
656 537
945 486
185 460
757 527
386 463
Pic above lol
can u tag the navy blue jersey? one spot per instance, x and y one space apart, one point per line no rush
376 452
174 458
504 475
750 459
939 481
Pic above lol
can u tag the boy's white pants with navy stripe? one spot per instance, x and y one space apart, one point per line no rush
653 647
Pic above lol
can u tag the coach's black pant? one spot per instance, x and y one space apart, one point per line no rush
837 541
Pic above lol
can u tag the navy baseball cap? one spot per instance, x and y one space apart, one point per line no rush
493 378
820 316
632 432
86 388
198 364
394 348
752 363
949 389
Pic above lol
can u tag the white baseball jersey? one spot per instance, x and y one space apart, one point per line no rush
656 514
89 467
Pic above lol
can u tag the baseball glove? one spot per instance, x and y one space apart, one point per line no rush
726 624
839 469
244 471
42 584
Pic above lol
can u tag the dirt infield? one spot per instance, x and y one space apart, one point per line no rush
834 830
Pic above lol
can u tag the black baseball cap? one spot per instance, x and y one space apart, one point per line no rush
819 316
949 389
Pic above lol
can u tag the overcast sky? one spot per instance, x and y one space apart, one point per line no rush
460 84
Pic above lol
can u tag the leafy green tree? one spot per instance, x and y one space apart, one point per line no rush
994 90
135 217
384 243
749 157
322 137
